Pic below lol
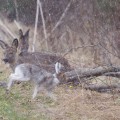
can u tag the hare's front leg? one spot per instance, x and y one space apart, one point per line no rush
10 81
14 77
36 89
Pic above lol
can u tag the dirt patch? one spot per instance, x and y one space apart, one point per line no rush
78 104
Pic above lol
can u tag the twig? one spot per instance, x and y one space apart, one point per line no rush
17 24
75 48
63 15
16 10
43 21
59 21
3 25
108 50
35 31
62 36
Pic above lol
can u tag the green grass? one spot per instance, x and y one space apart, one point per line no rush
7 107
17 105
14 106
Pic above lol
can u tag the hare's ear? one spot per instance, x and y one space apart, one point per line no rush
15 43
3 44
26 36
20 33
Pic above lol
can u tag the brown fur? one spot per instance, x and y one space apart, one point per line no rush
23 41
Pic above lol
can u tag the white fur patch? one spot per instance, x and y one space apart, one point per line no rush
58 67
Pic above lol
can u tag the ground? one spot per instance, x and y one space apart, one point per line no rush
73 103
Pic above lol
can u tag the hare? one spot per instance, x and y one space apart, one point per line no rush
40 77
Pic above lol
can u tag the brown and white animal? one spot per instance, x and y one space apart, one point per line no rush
40 77
45 61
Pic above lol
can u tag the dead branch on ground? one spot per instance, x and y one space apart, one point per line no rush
92 72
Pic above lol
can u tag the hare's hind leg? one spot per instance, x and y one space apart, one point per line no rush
49 93
37 88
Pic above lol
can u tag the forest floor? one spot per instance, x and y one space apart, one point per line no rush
73 103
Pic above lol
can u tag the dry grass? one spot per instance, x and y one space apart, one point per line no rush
74 103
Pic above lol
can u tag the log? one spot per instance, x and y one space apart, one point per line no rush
113 74
92 72
81 74
103 88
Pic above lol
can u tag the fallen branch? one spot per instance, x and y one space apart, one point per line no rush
113 74
103 88
92 72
